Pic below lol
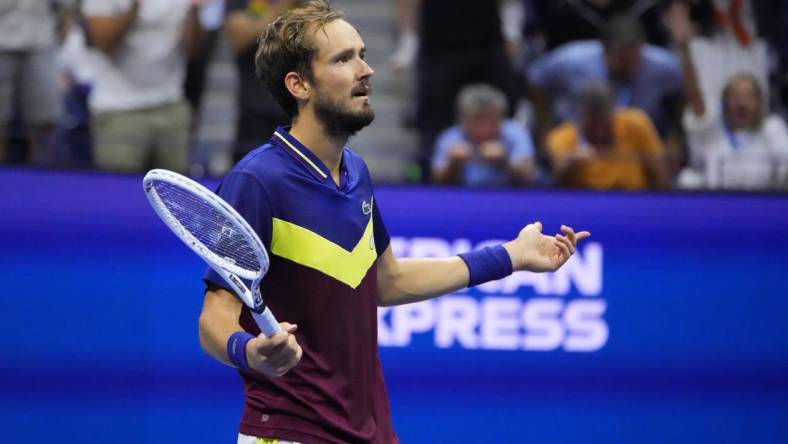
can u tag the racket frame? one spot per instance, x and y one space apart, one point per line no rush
231 272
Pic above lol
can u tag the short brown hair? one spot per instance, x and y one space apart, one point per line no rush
287 45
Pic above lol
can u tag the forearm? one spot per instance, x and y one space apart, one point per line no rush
107 33
193 32
243 30
418 279
402 281
272 356
407 15
691 85
219 320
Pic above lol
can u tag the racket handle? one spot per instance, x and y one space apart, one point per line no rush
266 322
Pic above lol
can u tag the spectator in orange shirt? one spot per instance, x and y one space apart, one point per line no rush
609 148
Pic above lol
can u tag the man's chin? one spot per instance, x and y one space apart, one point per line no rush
365 107
369 114
364 116
342 124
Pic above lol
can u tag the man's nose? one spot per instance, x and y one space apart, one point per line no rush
366 70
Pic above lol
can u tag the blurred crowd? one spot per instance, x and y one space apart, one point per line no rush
596 94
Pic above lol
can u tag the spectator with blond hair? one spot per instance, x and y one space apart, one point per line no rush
734 143
740 146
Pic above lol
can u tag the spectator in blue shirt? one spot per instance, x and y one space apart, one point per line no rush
484 148
642 76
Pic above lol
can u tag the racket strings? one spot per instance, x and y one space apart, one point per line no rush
209 226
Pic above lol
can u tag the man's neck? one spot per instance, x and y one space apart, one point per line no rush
311 133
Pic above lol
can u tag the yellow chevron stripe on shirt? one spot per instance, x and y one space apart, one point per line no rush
309 249
267 441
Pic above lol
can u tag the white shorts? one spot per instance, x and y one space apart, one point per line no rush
246 439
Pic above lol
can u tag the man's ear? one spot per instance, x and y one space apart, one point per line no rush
298 86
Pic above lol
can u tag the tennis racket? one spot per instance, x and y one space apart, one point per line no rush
217 233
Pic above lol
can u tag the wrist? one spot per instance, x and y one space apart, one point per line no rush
510 249
237 349
487 264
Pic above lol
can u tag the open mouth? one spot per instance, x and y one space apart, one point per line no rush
362 91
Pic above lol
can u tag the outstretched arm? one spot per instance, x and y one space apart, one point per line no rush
243 30
680 26
194 34
402 281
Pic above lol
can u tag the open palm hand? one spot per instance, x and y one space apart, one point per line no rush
534 251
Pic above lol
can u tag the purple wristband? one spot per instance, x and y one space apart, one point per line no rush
487 264
236 349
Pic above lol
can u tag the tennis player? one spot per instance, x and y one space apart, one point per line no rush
310 198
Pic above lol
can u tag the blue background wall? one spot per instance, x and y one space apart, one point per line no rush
100 302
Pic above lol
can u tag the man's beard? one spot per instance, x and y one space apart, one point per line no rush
339 123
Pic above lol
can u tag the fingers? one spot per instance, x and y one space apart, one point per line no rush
288 327
276 355
570 233
574 237
285 357
565 244
266 346
569 239
582 235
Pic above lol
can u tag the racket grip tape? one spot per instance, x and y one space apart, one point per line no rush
266 322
